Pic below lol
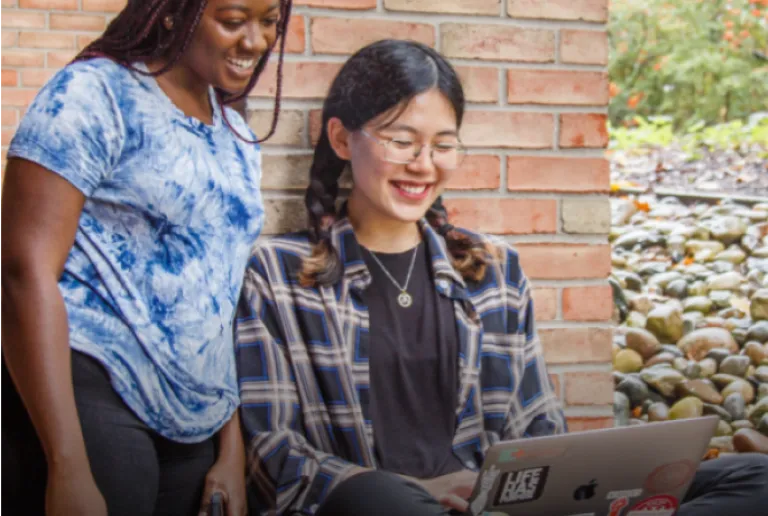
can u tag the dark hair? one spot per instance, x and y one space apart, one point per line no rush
381 77
137 34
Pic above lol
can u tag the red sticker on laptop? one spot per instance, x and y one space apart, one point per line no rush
661 505
669 477
617 505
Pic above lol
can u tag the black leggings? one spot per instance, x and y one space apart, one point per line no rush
138 472
736 485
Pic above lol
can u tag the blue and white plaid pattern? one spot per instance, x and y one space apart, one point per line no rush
303 366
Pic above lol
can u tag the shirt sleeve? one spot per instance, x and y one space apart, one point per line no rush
535 410
73 127
286 471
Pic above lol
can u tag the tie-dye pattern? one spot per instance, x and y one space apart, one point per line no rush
172 208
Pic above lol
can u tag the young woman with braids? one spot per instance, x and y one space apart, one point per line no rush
130 204
381 352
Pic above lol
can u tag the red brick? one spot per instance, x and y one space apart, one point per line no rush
10 78
339 4
8 3
445 6
296 41
587 10
593 303
583 130
545 174
565 261
10 117
23 20
309 80
10 38
48 4
18 98
477 172
507 129
46 40
584 47
104 6
345 36
59 59
497 42
83 40
557 87
85 22
290 128
23 58
504 216
545 304
36 78
315 119
589 388
480 84
576 345
584 424
7 135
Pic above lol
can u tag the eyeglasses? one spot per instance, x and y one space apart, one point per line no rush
444 155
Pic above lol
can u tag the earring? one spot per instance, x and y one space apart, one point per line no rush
168 22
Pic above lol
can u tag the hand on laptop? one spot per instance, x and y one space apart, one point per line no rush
453 490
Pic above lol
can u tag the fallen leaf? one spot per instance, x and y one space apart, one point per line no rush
688 260
642 206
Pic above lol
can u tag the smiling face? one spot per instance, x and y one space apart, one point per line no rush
402 192
230 39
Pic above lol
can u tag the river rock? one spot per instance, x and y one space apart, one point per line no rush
762 425
660 358
741 423
621 409
643 342
736 406
733 254
761 373
698 289
634 389
723 428
708 367
758 332
720 298
727 229
696 246
762 391
658 411
677 289
698 304
687 408
758 411
663 279
742 387
663 380
701 389
723 444
718 354
698 343
628 361
736 365
638 237
666 323
758 307
641 303
716 410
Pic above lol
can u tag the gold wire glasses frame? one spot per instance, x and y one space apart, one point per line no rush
447 156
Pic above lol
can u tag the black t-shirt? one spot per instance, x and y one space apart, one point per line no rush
414 368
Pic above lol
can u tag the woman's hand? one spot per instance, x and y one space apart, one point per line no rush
73 491
227 476
452 490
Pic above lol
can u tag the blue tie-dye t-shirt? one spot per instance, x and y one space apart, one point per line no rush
172 208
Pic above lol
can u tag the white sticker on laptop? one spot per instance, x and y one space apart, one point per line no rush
487 478
627 493
523 485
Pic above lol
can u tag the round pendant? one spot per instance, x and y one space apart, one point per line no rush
404 299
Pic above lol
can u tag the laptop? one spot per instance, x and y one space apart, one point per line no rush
642 470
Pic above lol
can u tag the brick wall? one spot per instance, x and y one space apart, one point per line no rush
534 72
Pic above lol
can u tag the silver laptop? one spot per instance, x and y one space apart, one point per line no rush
640 470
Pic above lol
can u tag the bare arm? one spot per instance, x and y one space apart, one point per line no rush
40 213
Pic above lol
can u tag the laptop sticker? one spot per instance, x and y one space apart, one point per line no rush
669 477
627 493
514 454
524 485
585 492
660 505
617 505
488 477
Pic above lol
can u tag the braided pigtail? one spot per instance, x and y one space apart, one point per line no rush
324 266
469 257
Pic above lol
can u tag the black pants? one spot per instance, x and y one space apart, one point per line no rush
138 472
736 485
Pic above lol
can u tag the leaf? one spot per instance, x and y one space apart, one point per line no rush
642 206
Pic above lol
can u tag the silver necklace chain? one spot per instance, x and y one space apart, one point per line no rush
404 298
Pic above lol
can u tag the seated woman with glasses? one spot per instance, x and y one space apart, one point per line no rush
381 352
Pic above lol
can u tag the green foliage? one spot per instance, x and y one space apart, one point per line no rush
659 132
693 61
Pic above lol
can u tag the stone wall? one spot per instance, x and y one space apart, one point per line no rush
534 72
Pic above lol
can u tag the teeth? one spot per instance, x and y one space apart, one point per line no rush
241 63
415 190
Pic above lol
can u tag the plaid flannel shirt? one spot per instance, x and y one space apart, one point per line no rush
304 372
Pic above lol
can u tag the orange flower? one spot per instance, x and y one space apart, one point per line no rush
729 24
756 12
728 36
614 89
744 34
657 66
634 100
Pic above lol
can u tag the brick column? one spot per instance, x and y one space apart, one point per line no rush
534 73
